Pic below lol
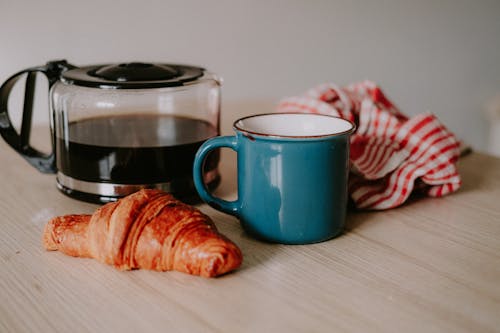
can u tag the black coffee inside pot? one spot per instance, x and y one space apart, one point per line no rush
134 149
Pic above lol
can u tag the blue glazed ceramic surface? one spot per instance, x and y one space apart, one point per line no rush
291 190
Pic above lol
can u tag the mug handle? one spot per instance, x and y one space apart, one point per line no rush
229 207
20 141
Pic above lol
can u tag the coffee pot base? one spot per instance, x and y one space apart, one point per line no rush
103 192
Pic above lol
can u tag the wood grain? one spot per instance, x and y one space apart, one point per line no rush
432 265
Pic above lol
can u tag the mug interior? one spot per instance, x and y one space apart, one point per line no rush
296 125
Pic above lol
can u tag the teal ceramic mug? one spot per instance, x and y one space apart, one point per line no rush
292 176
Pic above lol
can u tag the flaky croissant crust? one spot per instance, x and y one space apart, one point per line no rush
148 229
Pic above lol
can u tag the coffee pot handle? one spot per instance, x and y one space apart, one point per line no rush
20 141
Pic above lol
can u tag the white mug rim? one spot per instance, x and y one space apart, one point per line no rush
271 135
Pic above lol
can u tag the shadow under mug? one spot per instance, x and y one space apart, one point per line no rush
292 176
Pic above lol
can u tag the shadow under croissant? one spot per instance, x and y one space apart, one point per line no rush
255 251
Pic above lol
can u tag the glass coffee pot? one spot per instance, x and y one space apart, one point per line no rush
117 128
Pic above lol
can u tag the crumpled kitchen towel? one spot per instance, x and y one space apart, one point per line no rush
391 154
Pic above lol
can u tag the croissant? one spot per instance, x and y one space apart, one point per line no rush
148 229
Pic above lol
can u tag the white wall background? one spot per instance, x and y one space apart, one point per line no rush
441 56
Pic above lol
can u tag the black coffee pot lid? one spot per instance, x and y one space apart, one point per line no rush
133 75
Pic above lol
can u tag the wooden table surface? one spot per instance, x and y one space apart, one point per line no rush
432 265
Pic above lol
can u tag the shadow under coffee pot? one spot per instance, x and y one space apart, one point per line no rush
117 128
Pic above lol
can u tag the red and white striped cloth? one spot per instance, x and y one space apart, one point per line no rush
391 155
